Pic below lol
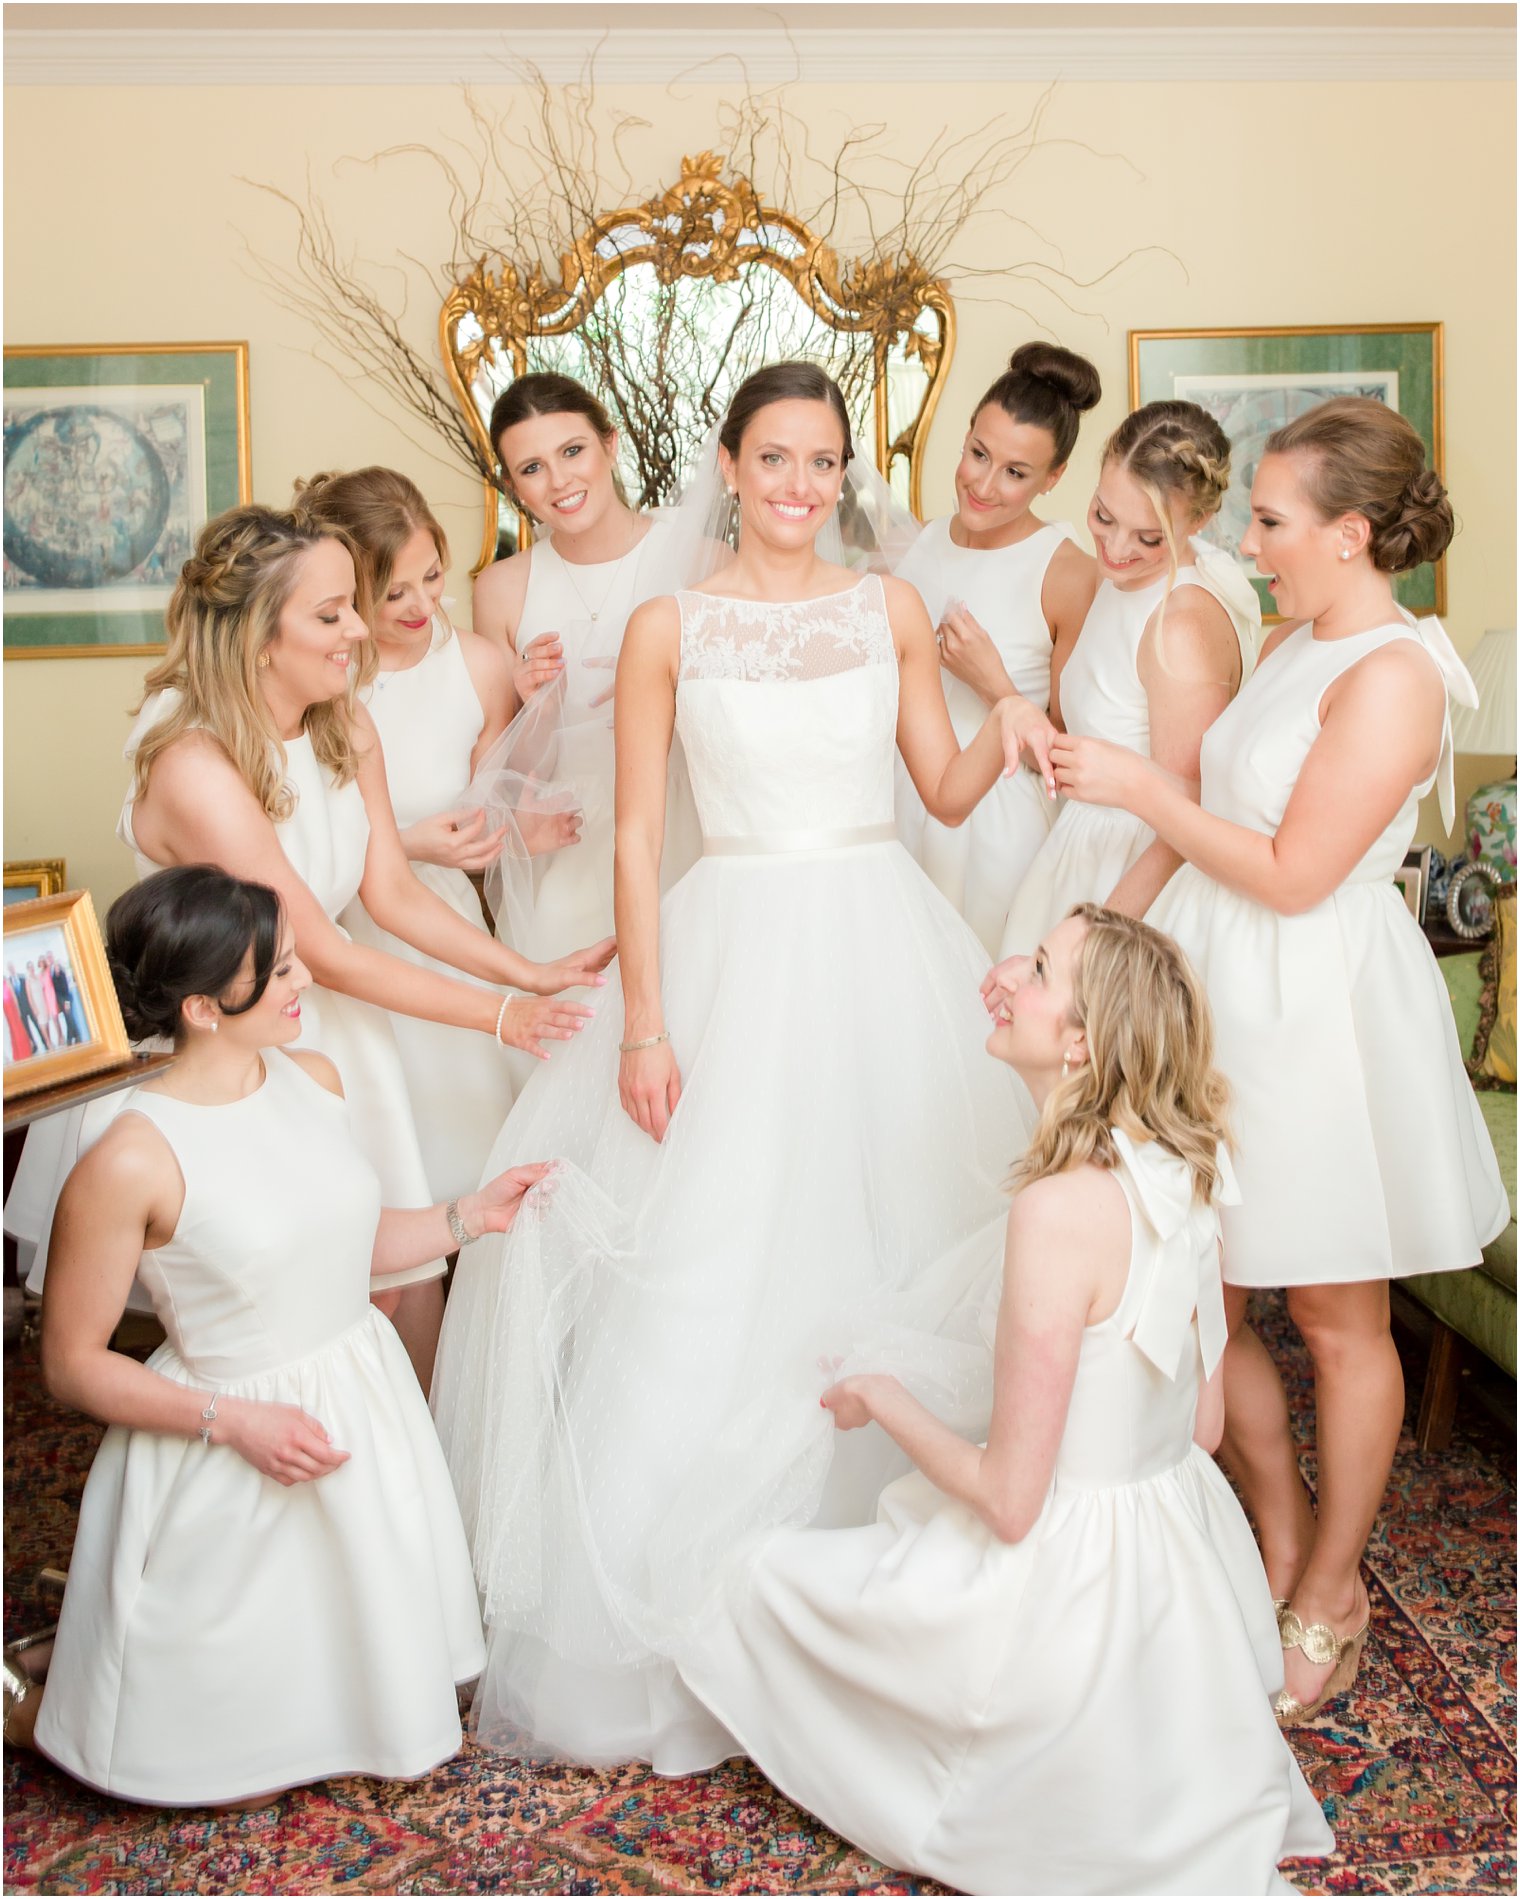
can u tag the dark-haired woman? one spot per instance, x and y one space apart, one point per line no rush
558 610
270 1583
1007 593
803 1128
1362 1153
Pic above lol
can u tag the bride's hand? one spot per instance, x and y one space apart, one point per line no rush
1028 734
649 1086
499 1201
533 1019
579 970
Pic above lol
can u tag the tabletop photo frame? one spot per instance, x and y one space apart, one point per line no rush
116 455
62 1018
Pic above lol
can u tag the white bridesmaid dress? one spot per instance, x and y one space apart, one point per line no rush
1088 1710
223 1635
1090 847
568 739
630 1383
325 839
1363 1154
429 718
980 864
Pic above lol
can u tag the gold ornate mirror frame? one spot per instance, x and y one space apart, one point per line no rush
712 227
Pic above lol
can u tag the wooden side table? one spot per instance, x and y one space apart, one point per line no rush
1444 940
24 1109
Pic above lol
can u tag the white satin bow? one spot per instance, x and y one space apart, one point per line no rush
1186 1276
1459 688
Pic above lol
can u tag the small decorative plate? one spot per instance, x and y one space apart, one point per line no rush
1470 901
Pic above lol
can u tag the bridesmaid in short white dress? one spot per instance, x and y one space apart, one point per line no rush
221 1635
1008 594
1171 634
561 622
1064 1692
1363 1154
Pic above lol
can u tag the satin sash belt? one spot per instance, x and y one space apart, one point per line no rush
763 843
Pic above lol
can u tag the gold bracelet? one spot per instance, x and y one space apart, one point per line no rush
649 1041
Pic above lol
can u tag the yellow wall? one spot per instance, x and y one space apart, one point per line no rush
1319 203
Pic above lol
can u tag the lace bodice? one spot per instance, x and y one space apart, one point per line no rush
788 712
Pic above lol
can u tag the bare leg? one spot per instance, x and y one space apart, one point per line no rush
418 1317
1257 1450
1359 1393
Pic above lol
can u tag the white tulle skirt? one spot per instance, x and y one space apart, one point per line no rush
628 1385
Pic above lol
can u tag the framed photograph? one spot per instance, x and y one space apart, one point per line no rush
1413 878
1254 381
1470 902
32 877
116 455
62 1019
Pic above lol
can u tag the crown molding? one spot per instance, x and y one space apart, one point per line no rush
369 55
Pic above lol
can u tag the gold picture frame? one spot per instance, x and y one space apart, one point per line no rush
164 428
1253 379
32 877
706 226
57 1030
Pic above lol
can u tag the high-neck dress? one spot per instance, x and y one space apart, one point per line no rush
980 864
223 1634
1363 1153
631 1383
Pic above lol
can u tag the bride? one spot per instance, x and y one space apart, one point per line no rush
811 1145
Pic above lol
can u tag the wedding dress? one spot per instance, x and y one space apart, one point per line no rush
629 1384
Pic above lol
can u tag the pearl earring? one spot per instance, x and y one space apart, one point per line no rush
215 1026
1345 553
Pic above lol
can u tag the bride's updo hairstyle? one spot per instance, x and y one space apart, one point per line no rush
783 382
224 611
184 932
379 509
1150 1058
1046 387
1355 455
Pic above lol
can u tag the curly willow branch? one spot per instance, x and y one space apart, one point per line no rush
525 185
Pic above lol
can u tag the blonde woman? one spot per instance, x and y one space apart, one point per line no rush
1363 1154
1166 643
1048 1665
250 753
439 698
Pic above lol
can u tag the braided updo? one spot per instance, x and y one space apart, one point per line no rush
223 614
1358 456
184 932
1175 451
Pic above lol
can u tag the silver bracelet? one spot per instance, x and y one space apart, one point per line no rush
208 1417
649 1041
462 1235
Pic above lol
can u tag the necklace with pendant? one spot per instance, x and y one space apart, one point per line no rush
594 613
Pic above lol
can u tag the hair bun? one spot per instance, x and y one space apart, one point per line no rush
1070 375
147 1009
1419 531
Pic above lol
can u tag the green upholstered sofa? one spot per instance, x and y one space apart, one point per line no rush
1476 1307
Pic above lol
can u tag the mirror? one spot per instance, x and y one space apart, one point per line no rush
664 309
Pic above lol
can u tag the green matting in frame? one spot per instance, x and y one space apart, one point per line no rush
116 455
1255 380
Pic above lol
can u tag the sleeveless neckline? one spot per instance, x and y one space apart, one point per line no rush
774 606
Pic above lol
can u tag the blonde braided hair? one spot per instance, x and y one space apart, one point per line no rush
223 613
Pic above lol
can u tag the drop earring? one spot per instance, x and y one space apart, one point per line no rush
1065 1067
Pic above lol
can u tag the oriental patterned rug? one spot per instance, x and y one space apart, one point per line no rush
1416 1770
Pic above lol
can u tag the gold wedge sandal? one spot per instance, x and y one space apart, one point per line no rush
1342 1654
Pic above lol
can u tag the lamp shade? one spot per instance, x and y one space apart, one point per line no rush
1490 725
